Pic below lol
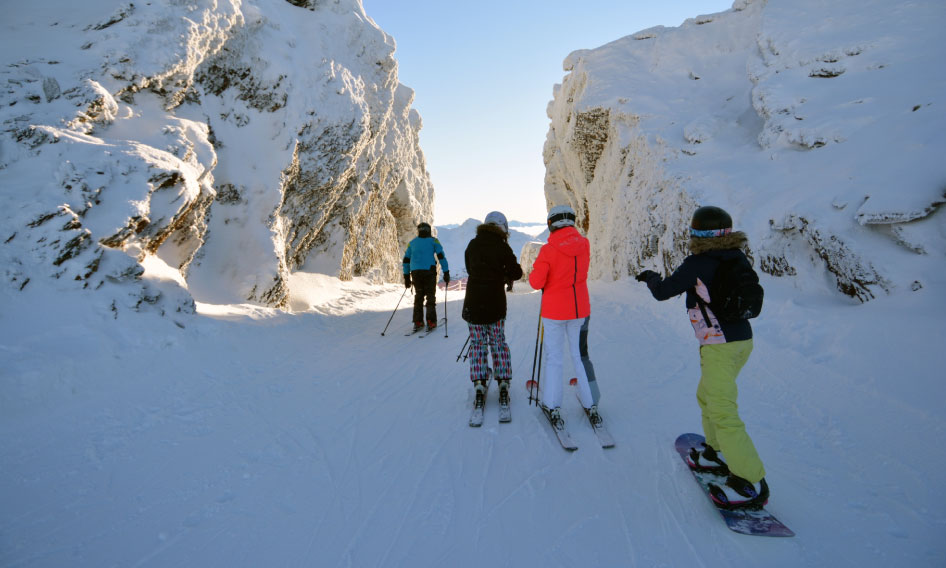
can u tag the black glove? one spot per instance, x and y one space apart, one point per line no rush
646 275
509 285
446 276
407 280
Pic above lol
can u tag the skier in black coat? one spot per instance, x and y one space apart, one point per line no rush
492 267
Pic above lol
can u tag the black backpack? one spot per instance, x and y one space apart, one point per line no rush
735 293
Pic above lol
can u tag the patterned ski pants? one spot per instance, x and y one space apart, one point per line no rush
486 338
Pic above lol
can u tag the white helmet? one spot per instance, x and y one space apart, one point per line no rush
498 219
561 216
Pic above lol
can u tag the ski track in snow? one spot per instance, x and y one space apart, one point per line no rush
311 439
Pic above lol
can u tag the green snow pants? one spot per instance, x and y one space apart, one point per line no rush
724 430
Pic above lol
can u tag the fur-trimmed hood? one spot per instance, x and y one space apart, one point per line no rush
734 240
489 228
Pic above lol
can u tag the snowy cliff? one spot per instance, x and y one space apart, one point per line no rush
217 145
818 125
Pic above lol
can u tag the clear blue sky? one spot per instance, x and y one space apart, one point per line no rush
483 74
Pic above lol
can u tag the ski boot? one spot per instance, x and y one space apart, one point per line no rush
503 391
431 324
554 416
480 387
418 325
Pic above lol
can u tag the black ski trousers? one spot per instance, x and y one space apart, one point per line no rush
425 289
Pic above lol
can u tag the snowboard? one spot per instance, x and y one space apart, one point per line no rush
756 522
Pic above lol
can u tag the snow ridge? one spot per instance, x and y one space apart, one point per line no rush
233 141
814 125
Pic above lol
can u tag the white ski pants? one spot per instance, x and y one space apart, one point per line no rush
555 333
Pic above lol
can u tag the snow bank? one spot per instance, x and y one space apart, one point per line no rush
236 141
817 126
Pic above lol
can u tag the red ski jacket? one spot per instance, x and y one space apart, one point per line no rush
561 272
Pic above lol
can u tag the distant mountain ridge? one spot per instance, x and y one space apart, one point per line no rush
511 224
455 239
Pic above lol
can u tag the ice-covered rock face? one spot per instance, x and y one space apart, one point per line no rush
813 124
234 141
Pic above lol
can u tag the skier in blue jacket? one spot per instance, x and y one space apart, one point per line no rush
420 270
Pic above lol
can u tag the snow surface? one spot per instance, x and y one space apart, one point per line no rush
254 437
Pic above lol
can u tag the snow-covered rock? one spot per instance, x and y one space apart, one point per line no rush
817 125
530 252
232 141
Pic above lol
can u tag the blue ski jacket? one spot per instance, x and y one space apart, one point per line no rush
423 253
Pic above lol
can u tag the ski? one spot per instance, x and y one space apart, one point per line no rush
429 330
602 432
560 432
600 429
479 407
532 387
424 331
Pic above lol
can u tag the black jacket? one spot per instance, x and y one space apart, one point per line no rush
697 272
490 264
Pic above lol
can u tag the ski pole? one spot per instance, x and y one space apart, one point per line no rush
460 354
537 353
538 374
395 310
446 286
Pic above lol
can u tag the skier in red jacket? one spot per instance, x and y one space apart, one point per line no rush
561 272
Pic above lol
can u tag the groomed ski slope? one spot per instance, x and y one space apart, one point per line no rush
257 438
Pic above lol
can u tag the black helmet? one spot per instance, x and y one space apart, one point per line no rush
423 230
710 221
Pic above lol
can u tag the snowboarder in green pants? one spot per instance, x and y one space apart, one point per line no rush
724 349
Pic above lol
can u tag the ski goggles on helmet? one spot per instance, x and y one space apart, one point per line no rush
705 233
567 216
